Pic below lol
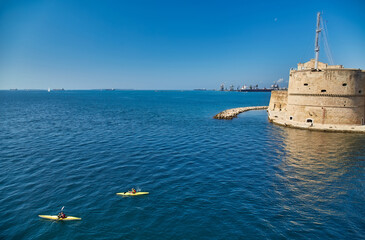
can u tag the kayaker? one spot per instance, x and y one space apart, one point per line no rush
133 191
61 215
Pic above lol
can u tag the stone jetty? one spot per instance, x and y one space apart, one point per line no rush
232 113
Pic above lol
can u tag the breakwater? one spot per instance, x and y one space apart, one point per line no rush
233 112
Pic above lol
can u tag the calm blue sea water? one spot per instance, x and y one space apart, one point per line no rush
208 179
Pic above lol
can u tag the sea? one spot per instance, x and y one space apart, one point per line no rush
244 178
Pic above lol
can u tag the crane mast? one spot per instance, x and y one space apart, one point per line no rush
316 49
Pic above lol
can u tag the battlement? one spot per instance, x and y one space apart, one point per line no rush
311 65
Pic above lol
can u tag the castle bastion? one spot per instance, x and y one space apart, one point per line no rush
329 98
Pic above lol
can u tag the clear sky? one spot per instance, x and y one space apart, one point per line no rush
169 44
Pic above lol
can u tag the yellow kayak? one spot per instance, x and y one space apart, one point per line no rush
132 194
55 217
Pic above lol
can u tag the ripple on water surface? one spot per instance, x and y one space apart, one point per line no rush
208 179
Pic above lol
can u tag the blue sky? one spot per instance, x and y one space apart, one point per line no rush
169 44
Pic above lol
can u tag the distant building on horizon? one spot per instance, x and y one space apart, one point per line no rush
222 87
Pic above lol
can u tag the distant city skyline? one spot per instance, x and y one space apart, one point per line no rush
169 45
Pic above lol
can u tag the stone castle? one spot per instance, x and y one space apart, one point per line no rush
321 97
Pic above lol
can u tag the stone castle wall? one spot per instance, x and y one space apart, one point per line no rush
278 104
333 95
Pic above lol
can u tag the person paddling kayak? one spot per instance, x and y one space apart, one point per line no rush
133 191
61 214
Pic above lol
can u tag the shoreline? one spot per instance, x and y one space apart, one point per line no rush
229 114
322 127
